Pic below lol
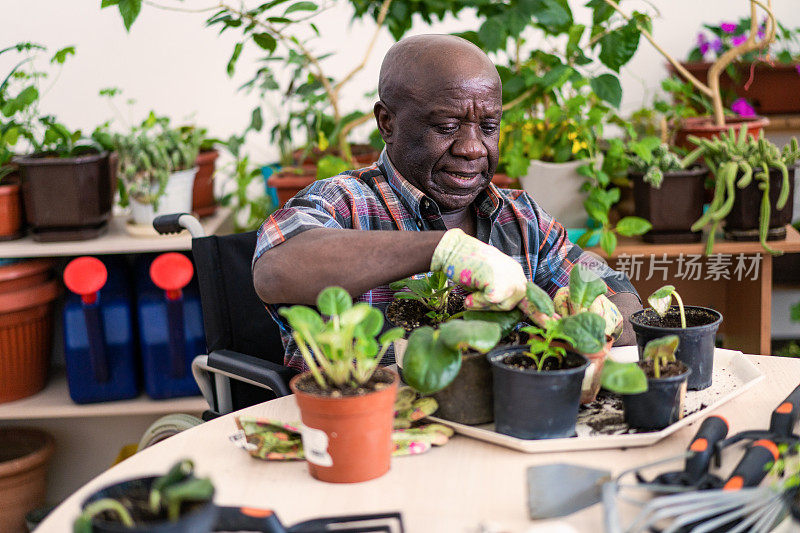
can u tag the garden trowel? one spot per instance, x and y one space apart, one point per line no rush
561 489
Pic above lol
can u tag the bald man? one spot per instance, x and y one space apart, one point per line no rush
426 204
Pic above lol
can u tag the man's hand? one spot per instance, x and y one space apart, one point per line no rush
499 280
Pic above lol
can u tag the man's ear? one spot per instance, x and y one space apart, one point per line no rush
385 119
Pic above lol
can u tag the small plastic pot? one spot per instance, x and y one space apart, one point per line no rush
660 406
468 399
535 405
696 346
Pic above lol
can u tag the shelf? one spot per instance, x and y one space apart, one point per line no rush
634 246
116 240
54 402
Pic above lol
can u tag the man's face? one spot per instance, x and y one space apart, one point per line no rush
445 137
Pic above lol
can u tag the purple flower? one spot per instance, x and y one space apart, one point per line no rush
742 108
739 39
728 27
702 44
797 68
716 45
761 34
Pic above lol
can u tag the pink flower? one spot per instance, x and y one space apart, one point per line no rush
415 447
742 108
728 27
797 68
739 39
466 276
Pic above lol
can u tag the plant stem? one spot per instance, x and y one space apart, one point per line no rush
680 307
312 365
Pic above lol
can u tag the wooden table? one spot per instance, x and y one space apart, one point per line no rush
744 298
458 487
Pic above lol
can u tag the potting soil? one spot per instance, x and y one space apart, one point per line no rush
411 314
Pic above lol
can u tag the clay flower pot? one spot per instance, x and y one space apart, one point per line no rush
10 210
347 439
203 202
24 274
705 128
24 456
290 181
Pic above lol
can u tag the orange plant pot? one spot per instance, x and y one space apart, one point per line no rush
705 128
24 457
24 274
10 212
288 183
358 430
26 318
203 202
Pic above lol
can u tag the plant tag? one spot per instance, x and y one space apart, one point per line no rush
315 446
239 439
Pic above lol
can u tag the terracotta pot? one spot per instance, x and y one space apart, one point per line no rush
705 128
25 339
773 89
290 181
10 210
357 430
24 274
24 456
67 198
203 202
363 154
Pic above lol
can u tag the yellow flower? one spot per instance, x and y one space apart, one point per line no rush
572 135
576 146
540 126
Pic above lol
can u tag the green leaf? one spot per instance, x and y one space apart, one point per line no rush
333 301
300 6
506 320
265 41
129 9
661 349
596 209
661 299
584 287
583 240
428 364
607 87
794 311
601 11
231 67
587 330
539 299
618 47
608 242
553 15
302 319
372 323
330 165
392 335
61 56
492 34
256 120
630 226
463 334
355 315
623 378
108 3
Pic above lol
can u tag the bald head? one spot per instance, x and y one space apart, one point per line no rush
416 63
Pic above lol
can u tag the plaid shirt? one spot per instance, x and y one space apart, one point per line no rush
378 198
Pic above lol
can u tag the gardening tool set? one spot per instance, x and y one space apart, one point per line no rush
692 499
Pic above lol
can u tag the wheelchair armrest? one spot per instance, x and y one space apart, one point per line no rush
269 374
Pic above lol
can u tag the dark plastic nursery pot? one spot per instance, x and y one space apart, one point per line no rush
696 347
468 399
742 222
535 405
660 406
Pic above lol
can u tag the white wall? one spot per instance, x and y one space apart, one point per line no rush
172 63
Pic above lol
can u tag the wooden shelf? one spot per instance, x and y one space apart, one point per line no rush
54 402
635 246
116 240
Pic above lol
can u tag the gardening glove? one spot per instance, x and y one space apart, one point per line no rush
601 306
499 280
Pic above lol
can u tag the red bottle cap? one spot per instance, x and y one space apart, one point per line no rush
171 272
85 276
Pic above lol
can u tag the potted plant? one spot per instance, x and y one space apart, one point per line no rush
176 501
662 403
751 176
156 169
696 327
426 301
669 191
10 198
346 401
765 83
203 201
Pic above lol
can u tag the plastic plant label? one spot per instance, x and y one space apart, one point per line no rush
315 446
239 439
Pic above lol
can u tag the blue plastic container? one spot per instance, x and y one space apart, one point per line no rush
162 379
116 378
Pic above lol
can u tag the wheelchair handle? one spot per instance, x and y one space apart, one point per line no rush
177 222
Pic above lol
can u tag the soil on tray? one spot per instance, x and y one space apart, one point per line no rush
381 379
411 314
523 362
136 501
694 317
667 371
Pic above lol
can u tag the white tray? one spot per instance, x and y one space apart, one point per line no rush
733 374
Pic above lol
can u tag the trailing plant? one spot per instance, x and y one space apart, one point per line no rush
167 494
662 352
661 300
433 291
344 350
730 156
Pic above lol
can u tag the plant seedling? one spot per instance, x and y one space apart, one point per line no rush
433 291
342 351
661 300
585 332
623 378
662 352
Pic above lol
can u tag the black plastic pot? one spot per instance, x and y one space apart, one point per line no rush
658 407
67 198
468 399
696 347
673 208
536 405
742 224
